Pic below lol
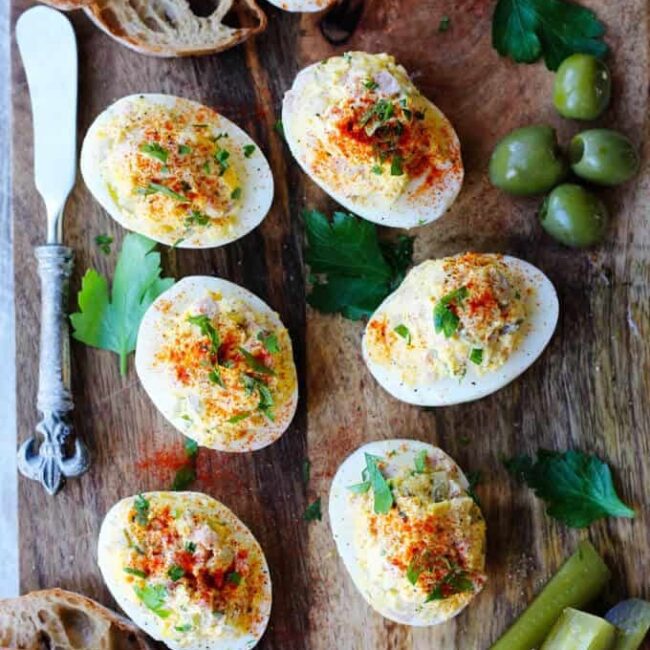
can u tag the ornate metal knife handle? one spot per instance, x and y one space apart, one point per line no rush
48 462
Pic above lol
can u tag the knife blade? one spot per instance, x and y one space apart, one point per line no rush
48 49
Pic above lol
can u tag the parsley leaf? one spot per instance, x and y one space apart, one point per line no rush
239 417
577 487
476 356
413 572
112 324
234 577
141 506
255 364
421 462
404 332
445 319
249 149
154 150
381 489
444 24
175 572
135 572
184 477
313 511
528 29
157 188
153 597
351 270
104 243
184 149
270 341
191 447
190 547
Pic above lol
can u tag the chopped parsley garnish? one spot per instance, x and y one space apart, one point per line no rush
371 84
141 506
186 627
239 417
577 488
352 271
249 149
413 572
421 462
191 447
255 364
526 30
177 243
444 24
215 377
153 597
204 323
373 478
270 342
190 547
266 398
157 188
154 150
236 194
306 470
221 157
175 572
112 323
130 543
313 511
396 166
377 169
234 577
404 332
445 319
455 582
476 356
279 127
104 243
197 218
183 149
135 572
359 488
381 111
185 476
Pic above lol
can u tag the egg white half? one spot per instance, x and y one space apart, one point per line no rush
254 171
157 381
417 205
302 5
110 546
341 513
543 310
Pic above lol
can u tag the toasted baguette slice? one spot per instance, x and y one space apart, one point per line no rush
170 27
60 619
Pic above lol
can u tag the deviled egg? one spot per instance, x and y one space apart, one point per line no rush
460 328
218 364
409 533
361 129
186 570
176 171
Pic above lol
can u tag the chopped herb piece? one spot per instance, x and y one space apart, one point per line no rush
476 356
270 341
177 243
279 127
444 24
381 111
382 492
190 547
153 597
186 627
191 447
445 319
306 470
236 194
396 166
157 188
200 126
204 323
215 377
359 488
413 572
313 511
141 506
206 167
239 417
104 243
154 150
197 218
249 149
377 169
221 157
455 582
184 477
371 84
255 364
404 332
183 149
175 572
135 572
528 29
234 577
578 488
421 462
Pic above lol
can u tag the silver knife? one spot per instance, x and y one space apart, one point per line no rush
48 48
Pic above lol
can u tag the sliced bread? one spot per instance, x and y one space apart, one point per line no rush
64 620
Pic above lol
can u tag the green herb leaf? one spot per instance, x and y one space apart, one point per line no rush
183 149
184 477
444 319
249 149
191 447
413 572
525 30
359 488
190 547
270 341
154 150
351 270
313 511
377 169
279 128
476 356
186 627
371 84
404 332
306 470
455 582
197 218
135 572
578 488
239 417
382 492
153 597
234 577
157 188
104 243
236 194
396 166
421 462
175 572
255 364
113 324
141 506
444 24
204 323
221 157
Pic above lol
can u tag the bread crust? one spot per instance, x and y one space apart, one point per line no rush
66 620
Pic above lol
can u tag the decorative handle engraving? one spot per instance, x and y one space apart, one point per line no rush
50 462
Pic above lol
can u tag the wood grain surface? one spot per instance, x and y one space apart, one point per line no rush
589 390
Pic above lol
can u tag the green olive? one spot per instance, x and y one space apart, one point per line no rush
527 161
582 87
603 156
574 216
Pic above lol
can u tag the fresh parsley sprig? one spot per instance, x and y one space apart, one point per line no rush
373 478
351 270
577 487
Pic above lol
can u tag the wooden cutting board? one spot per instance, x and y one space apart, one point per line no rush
589 390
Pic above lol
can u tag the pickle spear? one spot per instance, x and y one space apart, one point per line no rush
632 620
579 580
576 630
